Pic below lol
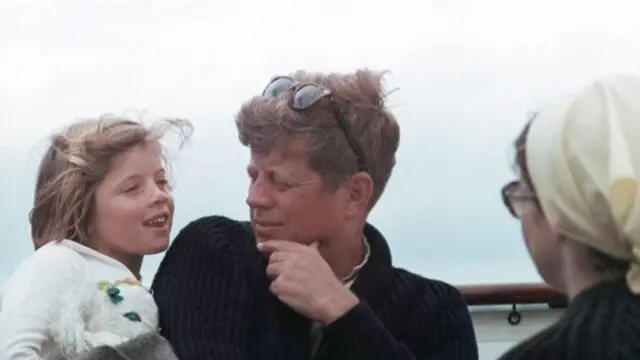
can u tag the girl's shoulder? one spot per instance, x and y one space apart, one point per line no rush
58 250
52 266
52 258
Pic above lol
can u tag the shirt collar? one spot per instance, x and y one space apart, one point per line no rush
349 279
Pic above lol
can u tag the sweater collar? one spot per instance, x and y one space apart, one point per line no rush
614 288
96 255
375 278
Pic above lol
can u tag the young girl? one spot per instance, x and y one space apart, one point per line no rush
102 202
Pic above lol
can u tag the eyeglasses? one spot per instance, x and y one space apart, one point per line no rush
513 198
307 94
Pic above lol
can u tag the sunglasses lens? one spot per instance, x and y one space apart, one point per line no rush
277 87
307 95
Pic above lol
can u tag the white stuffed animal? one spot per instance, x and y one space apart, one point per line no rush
108 313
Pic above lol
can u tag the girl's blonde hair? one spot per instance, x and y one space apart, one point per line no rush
76 161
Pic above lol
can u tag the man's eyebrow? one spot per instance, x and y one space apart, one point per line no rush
282 172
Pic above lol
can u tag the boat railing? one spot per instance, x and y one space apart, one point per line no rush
513 294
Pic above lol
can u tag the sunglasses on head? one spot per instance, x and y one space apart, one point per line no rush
307 94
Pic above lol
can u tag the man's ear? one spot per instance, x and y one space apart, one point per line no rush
359 191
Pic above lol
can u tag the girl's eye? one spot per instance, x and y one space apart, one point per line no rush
131 188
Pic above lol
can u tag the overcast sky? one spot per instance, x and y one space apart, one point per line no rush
468 73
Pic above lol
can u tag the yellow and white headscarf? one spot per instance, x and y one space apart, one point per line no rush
584 158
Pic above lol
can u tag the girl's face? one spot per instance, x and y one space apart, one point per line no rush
133 209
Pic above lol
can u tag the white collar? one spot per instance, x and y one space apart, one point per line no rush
85 250
354 273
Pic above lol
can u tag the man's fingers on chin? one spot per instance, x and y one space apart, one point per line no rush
274 270
277 245
275 287
277 256
266 247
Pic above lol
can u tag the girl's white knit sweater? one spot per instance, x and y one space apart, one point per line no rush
67 298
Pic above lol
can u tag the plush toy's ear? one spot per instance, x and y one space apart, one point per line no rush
67 327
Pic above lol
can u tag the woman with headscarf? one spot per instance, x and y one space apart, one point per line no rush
578 201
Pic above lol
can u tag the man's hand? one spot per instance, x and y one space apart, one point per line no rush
302 279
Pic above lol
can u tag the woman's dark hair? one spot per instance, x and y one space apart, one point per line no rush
602 263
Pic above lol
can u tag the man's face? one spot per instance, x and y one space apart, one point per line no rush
287 198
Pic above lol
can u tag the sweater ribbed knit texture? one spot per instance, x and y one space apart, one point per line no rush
601 323
214 303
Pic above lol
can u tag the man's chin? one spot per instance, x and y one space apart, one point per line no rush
260 238
267 233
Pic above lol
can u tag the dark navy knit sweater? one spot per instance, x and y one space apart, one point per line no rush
601 323
214 302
